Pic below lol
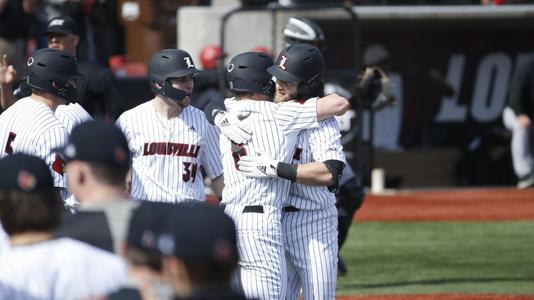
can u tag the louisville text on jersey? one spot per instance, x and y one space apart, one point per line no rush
168 148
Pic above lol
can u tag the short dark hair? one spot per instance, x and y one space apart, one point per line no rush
206 273
317 91
110 175
22 211
242 95
139 257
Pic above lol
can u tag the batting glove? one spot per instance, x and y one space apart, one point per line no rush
260 166
231 126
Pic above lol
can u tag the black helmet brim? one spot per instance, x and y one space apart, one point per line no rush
183 73
280 74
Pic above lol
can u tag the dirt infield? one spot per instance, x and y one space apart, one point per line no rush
450 205
439 297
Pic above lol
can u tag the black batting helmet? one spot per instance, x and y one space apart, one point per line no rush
166 64
247 72
53 71
301 63
301 30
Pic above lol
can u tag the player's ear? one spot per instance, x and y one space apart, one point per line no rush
124 249
76 40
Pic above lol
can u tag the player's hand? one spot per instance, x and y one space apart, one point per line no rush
259 166
523 120
231 126
8 74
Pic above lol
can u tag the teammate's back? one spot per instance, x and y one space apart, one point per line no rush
36 133
275 128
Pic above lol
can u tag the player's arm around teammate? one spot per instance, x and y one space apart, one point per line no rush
299 77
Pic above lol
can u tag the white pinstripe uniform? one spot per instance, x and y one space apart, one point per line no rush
262 270
310 234
59 269
167 153
38 135
31 127
71 115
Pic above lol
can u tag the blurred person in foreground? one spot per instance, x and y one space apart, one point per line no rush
37 266
190 249
201 253
97 161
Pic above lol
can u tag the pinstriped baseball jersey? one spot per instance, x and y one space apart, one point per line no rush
59 269
310 234
316 145
71 115
31 127
167 153
275 129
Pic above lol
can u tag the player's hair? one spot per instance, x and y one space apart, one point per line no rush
206 274
22 212
109 175
317 91
242 95
141 258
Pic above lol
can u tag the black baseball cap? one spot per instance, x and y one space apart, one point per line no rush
24 172
194 233
62 25
99 142
147 227
204 234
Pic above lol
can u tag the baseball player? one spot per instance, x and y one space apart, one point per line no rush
170 140
30 125
350 195
255 204
309 217
38 266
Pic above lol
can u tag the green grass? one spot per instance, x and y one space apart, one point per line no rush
441 257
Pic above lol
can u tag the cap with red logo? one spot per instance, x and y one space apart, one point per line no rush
24 172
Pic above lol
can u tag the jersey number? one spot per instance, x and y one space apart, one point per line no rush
10 139
190 171
238 150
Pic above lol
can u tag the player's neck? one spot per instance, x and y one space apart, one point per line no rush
48 99
167 108
29 238
101 194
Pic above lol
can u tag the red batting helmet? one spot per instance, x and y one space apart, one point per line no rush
209 56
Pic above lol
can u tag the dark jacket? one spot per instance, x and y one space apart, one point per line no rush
521 95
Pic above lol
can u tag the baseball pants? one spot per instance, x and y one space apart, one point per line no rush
520 147
262 270
310 240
